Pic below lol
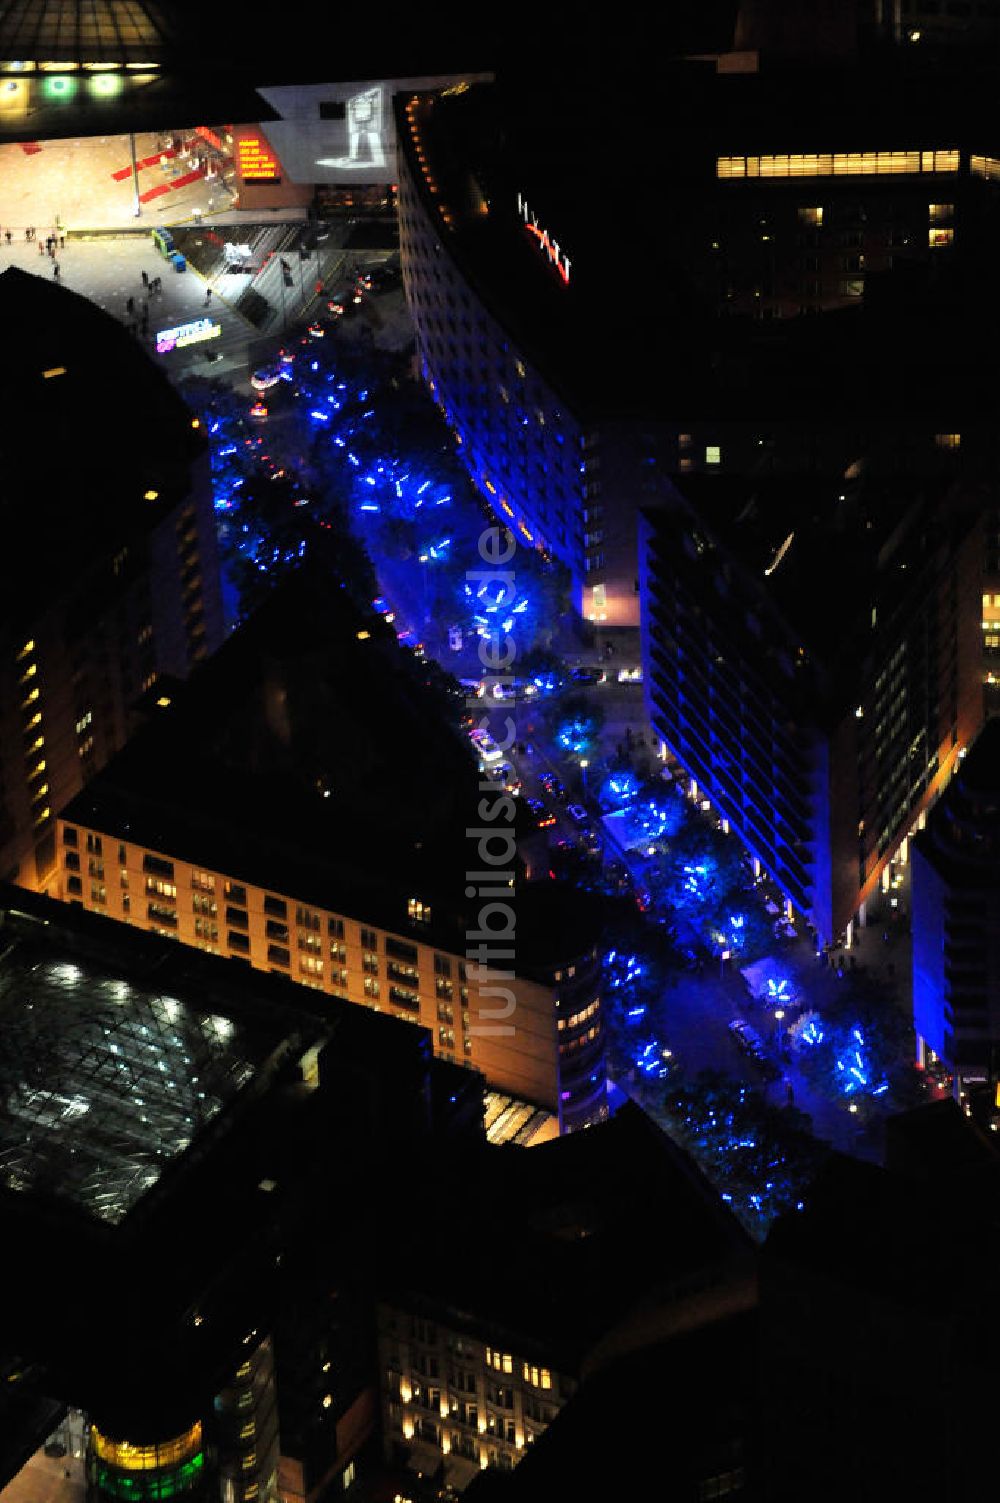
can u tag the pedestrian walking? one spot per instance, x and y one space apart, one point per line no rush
145 278
27 233
41 248
208 296
130 306
8 236
55 270
62 242
50 246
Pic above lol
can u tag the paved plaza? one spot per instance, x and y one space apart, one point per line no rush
87 183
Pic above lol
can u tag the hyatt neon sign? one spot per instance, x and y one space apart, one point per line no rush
552 248
192 333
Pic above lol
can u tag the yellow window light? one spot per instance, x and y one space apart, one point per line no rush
150 495
163 701
56 370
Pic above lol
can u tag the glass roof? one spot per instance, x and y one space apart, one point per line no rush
103 1083
82 30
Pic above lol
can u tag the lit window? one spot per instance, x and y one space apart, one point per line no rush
419 912
811 216
936 237
948 440
713 454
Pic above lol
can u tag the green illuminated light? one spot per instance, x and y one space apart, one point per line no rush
59 87
106 83
150 1487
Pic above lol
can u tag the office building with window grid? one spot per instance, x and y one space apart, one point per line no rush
302 806
110 573
811 660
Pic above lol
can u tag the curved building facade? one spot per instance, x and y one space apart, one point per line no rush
528 448
147 1469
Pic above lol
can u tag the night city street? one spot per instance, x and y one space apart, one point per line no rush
499 754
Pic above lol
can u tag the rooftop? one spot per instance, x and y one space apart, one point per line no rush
820 552
593 1224
104 1082
631 294
88 427
307 757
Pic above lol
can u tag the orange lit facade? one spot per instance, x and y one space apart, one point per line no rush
547 1058
452 1398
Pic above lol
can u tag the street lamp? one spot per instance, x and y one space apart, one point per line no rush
584 764
779 1013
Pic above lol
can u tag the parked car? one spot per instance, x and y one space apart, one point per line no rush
543 817
752 1044
589 676
553 786
578 814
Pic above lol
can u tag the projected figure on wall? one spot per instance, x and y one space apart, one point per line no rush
364 132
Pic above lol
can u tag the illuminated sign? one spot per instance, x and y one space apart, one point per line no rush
192 333
257 163
551 247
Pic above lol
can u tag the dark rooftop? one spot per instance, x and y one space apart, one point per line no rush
822 552
632 330
308 757
188 81
88 426
593 1224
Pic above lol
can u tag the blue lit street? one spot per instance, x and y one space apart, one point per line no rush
336 446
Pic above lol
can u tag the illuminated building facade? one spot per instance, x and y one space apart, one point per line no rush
539 450
184 1132
956 921
582 359
142 1473
597 1228
812 663
360 897
110 575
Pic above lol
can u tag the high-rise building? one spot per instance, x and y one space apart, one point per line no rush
303 805
110 574
811 660
606 1237
585 349
955 905
186 1135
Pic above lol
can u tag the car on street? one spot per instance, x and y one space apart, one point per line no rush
589 676
578 814
750 1041
269 375
543 817
553 786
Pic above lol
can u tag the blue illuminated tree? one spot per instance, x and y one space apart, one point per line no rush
579 724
